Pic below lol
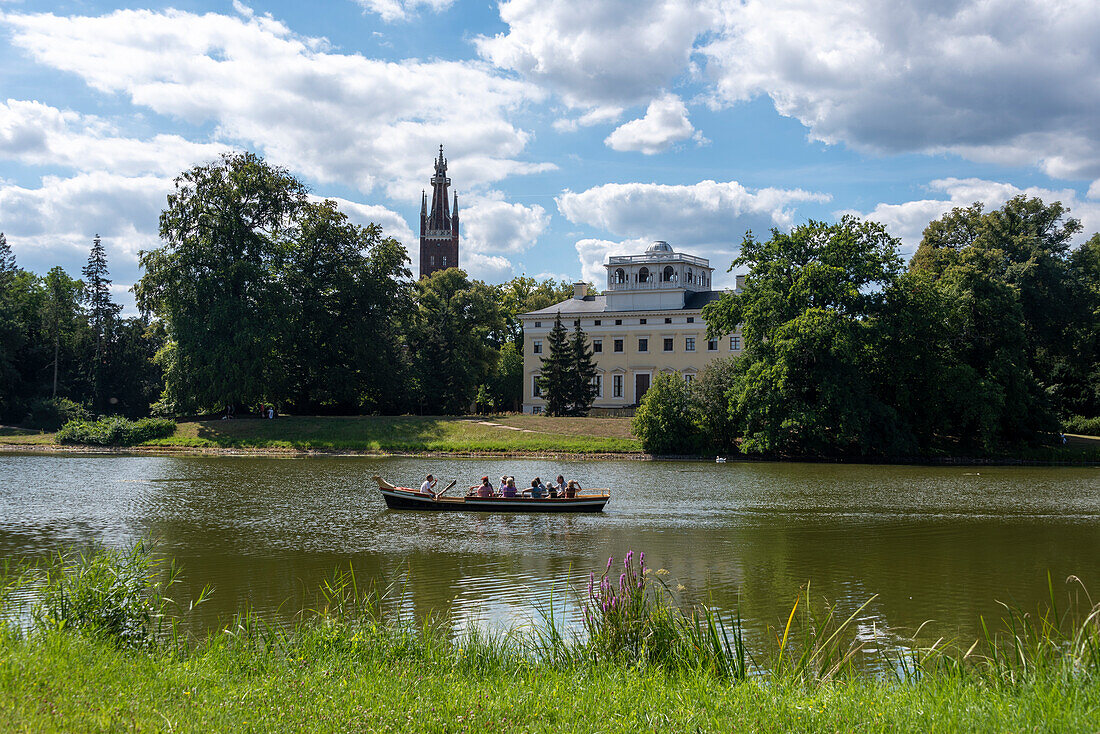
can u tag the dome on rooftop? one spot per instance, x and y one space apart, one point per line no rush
659 246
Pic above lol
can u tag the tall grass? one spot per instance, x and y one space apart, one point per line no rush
631 622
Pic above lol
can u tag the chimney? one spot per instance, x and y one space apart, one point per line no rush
740 283
580 290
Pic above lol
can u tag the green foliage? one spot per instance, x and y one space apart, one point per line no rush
665 421
115 431
1081 425
49 414
716 429
582 373
102 314
449 340
554 376
504 388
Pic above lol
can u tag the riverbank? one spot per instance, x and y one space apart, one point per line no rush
505 436
104 653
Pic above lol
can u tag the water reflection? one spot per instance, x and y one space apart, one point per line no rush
934 543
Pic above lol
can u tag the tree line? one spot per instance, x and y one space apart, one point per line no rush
260 294
989 339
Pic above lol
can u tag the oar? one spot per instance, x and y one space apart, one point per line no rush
453 483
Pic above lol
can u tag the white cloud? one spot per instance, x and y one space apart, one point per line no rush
598 53
908 220
37 134
665 122
708 219
392 223
332 117
702 213
391 10
489 268
1010 81
490 224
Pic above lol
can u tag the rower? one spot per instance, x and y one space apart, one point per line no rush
428 487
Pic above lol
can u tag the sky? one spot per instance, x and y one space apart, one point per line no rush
574 129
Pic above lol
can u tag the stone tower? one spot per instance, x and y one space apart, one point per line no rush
438 226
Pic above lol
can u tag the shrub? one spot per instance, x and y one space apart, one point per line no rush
1081 425
51 413
664 422
115 431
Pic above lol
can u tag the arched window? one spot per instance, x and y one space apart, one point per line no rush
689 276
620 276
668 274
643 275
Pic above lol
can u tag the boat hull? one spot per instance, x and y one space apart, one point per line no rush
398 499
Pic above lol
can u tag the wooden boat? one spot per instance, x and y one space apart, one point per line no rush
404 498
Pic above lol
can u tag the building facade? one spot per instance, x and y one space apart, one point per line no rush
438 225
648 321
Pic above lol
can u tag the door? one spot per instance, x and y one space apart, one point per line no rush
641 385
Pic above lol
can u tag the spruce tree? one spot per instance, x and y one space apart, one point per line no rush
7 262
102 317
556 378
582 373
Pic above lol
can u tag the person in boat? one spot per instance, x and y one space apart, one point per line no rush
536 491
485 490
572 488
557 489
503 484
428 487
509 488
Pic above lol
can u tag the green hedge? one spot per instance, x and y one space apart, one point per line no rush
1081 425
115 431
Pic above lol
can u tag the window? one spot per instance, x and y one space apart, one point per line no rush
735 343
668 343
597 322
643 345
689 378
643 275
597 346
536 389
641 321
432 260
444 261
668 321
618 345
616 386
618 322
620 276
576 322
712 345
667 274
689 344
538 324
691 319
536 346
536 410
597 382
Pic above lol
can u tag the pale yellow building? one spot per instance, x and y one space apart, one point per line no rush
648 321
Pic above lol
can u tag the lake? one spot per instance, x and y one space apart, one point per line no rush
934 543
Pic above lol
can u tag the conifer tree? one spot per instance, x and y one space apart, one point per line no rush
102 317
582 373
7 262
556 377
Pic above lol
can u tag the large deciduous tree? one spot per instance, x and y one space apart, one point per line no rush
215 281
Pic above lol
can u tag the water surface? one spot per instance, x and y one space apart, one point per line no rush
934 543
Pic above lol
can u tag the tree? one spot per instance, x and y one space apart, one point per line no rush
61 318
215 281
504 388
582 373
807 313
556 377
711 395
102 319
12 329
665 421
448 338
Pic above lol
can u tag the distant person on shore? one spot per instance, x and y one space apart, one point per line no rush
428 487
509 488
271 412
572 488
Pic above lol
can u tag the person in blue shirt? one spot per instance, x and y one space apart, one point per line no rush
537 491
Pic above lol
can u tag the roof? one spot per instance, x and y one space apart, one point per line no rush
693 301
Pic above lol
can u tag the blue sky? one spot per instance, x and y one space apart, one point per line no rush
574 129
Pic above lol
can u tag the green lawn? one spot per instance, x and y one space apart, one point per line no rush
412 434
67 683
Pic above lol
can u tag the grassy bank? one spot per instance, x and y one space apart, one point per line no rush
103 654
394 434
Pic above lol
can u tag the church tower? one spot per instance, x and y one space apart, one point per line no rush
438 226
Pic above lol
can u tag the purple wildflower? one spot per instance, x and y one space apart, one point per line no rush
609 561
